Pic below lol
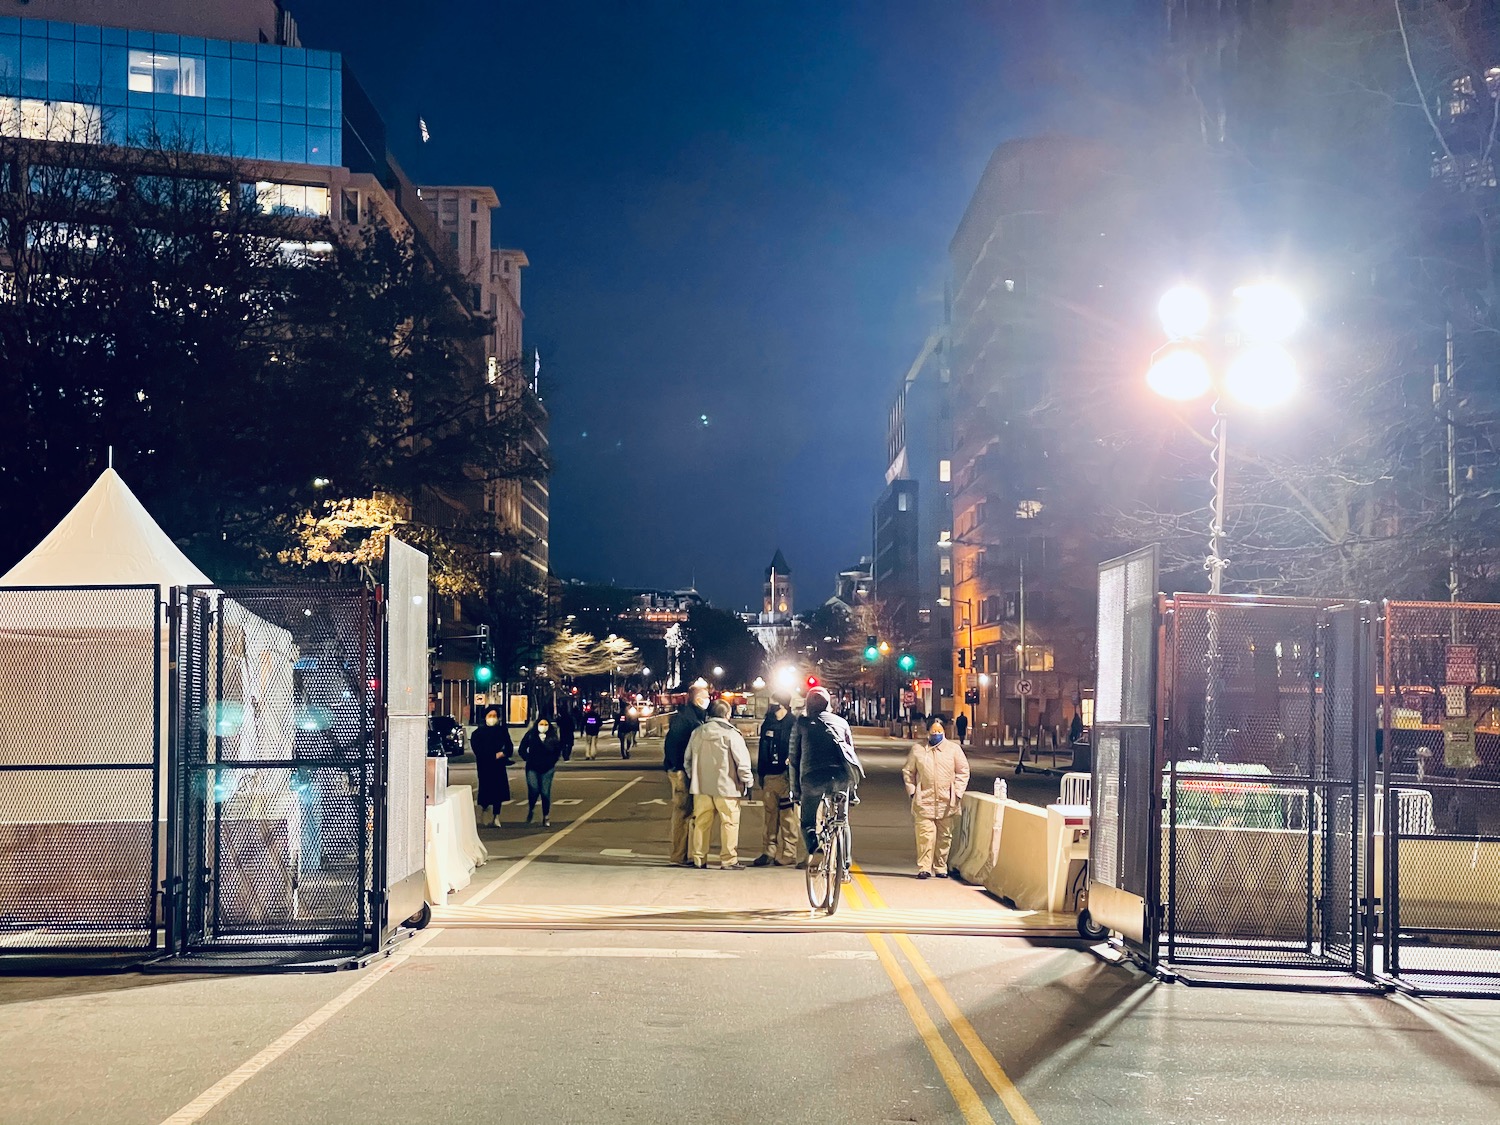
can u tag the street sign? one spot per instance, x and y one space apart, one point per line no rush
908 698
1023 688
1462 664
1458 744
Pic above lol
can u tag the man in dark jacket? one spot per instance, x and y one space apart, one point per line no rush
821 761
779 846
686 719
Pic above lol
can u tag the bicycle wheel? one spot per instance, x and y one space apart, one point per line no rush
835 867
818 882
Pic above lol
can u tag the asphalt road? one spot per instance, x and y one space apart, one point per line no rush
550 998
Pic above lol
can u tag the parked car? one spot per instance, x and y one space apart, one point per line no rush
445 737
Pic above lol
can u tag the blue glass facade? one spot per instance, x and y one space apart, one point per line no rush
250 100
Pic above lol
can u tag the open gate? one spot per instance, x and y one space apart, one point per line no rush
1265 759
278 715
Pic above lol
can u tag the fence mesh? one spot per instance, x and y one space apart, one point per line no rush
81 811
280 742
1440 806
1260 781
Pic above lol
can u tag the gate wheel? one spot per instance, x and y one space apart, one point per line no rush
1087 929
421 918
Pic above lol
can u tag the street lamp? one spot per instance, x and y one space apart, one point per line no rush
718 671
1248 363
1254 369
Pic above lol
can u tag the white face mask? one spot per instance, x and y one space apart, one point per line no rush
543 729
492 720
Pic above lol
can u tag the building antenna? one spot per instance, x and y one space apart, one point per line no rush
110 457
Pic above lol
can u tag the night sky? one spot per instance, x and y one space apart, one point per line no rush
738 210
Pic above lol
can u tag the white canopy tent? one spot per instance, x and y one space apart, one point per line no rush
75 664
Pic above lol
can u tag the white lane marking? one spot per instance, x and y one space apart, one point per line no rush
196 1109
578 951
845 955
520 865
568 801
618 853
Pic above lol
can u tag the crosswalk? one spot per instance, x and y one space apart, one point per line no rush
992 922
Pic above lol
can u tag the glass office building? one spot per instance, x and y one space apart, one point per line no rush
255 101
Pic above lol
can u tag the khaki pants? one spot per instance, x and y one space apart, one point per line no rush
782 836
682 810
934 838
727 811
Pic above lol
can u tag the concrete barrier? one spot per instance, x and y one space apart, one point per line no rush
978 835
1021 869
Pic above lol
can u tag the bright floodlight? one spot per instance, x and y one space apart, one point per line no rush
1263 376
1184 311
787 677
1267 312
1180 374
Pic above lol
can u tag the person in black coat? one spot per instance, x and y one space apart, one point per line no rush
541 749
686 719
493 751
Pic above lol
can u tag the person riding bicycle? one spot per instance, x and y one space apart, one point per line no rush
821 761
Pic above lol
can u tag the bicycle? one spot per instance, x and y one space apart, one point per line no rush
825 881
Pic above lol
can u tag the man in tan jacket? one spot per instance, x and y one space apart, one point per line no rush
936 774
718 772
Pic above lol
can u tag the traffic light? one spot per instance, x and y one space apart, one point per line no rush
483 674
906 662
484 670
812 681
872 649
963 658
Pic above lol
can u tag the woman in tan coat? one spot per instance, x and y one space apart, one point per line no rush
936 774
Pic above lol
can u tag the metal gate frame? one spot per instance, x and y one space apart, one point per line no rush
68 932
1331 808
202 923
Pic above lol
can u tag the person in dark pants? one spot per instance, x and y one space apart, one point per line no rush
961 727
541 748
493 751
686 719
780 830
627 727
822 761
567 731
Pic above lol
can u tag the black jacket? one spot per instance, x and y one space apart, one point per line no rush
822 752
775 744
541 754
685 720
489 743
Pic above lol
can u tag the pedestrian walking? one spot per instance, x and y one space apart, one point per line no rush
591 725
541 748
822 761
567 731
961 728
627 727
936 774
717 763
493 751
686 719
780 839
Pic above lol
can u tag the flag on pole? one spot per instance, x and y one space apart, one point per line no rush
422 127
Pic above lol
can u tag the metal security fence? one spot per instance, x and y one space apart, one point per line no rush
1439 813
1263 763
81 781
279 736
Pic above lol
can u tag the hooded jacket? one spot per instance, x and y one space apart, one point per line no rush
936 778
822 752
685 720
717 760
541 754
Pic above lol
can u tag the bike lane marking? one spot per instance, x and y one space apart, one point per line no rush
195 1110
970 1104
1015 1104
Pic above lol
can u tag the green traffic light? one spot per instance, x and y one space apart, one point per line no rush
907 662
483 674
872 653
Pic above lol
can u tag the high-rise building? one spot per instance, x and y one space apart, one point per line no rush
1032 286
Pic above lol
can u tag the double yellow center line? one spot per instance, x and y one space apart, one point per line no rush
970 1103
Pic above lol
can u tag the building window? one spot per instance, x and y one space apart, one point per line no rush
473 206
903 502
292 199
945 470
945 565
153 73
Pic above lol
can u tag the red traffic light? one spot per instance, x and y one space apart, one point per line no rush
812 681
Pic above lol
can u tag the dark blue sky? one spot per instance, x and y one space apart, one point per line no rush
733 209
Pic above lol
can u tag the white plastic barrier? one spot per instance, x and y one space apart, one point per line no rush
1021 871
975 850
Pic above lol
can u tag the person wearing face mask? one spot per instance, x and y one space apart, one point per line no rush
686 719
781 834
541 748
936 774
493 750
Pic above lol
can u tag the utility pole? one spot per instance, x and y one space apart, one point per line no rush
1447 393
1021 655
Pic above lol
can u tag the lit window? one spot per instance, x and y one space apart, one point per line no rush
293 199
1028 509
945 470
1010 285
153 73
903 502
